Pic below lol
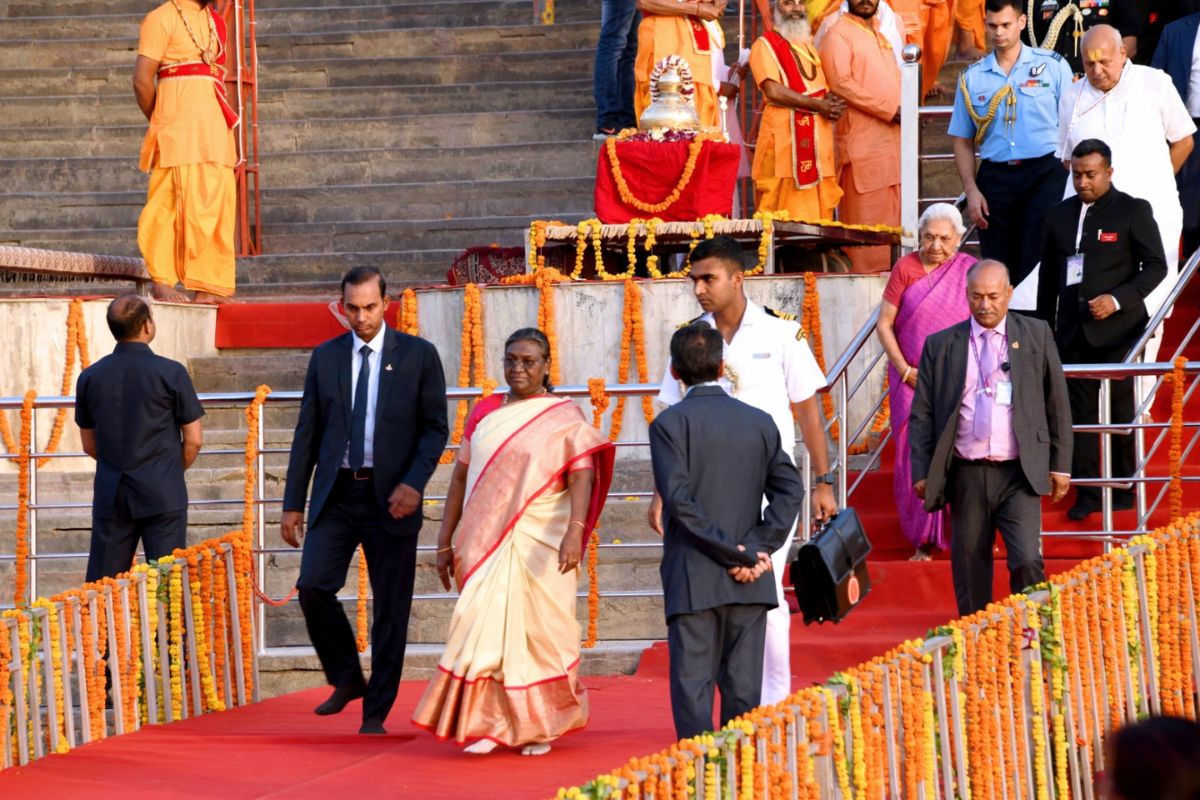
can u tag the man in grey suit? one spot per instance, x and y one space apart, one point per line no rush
714 459
991 403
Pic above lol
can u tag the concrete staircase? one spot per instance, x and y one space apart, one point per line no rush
392 133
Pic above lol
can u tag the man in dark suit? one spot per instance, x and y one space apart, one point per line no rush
139 417
714 459
1101 256
1176 56
990 433
373 424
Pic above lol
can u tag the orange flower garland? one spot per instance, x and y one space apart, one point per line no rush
600 400
220 622
810 323
21 577
200 629
471 361
593 557
6 434
6 657
627 196
409 322
360 616
76 341
633 337
547 320
1175 449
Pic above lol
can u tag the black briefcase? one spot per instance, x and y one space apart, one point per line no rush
830 570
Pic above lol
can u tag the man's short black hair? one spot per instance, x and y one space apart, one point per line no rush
696 352
127 315
1089 146
357 276
722 248
999 5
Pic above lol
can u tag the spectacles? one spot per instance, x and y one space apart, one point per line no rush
526 364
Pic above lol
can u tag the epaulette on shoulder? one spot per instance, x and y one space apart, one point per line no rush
973 65
1041 51
779 314
689 322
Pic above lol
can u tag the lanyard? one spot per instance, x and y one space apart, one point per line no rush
1083 209
982 380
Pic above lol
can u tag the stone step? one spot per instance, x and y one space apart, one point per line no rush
310 73
473 129
283 670
316 104
466 11
394 201
323 167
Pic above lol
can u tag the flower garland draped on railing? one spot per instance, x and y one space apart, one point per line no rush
165 633
471 365
407 319
1017 700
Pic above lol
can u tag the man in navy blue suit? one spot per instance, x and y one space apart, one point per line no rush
372 424
1178 54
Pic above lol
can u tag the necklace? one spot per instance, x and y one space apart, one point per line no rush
508 398
806 55
213 51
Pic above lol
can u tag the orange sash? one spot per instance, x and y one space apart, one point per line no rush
804 145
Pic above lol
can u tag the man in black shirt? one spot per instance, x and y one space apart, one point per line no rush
139 417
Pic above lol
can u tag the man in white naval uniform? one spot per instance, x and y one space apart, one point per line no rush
767 365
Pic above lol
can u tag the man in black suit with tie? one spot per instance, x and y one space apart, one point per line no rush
990 433
1102 255
373 424
714 459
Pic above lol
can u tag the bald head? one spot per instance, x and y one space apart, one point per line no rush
1104 56
988 292
129 319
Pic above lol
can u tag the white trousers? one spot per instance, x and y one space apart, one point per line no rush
777 661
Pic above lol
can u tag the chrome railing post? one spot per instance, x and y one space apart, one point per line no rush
843 406
1106 500
33 508
260 634
910 145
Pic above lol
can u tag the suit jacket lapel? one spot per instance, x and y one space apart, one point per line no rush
959 352
388 363
345 364
1017 345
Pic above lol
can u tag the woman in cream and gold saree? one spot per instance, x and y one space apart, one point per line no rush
525 495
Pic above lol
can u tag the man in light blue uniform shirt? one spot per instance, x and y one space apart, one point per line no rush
1006 104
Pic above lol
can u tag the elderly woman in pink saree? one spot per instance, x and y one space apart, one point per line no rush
525 495
927 291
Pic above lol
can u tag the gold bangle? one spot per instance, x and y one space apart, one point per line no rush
445 549
576 522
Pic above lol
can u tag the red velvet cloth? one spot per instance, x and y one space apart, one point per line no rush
651 170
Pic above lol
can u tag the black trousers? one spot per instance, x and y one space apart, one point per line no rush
1085 410
352 516
722 648
984 498
115 537
1018 197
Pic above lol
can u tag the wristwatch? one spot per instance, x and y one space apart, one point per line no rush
826 478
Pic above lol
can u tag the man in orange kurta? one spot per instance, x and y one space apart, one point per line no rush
928 24
861 67
691 30
185 230
968 19
794 169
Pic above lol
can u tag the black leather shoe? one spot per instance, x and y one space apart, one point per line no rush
1122 503
338 700
1079 513
373 726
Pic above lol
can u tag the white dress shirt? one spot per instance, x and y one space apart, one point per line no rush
375 362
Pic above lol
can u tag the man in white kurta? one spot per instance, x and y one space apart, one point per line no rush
1138 113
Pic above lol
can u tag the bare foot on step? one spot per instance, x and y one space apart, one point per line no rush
208 298
167 294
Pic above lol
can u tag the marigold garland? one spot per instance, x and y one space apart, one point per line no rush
633 337
76 341
810 324
1175 449
409 321
200 628
627 196
54 632
175 634
6 657
471 361
547 321
593 557
21 567
361 636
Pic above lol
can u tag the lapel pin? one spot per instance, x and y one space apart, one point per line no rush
1016 345
388 367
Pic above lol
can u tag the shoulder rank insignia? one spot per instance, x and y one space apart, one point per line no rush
1057 55
779 314
689 322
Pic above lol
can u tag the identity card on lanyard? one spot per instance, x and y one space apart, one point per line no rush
1075 262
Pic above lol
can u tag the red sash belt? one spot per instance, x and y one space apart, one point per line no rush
804 144
192 69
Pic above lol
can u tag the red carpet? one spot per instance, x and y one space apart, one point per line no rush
278 748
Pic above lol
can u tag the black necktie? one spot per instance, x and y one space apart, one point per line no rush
358 419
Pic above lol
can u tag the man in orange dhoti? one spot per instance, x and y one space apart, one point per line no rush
929 24
861 68
794 167
968 21
690 29
185 231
